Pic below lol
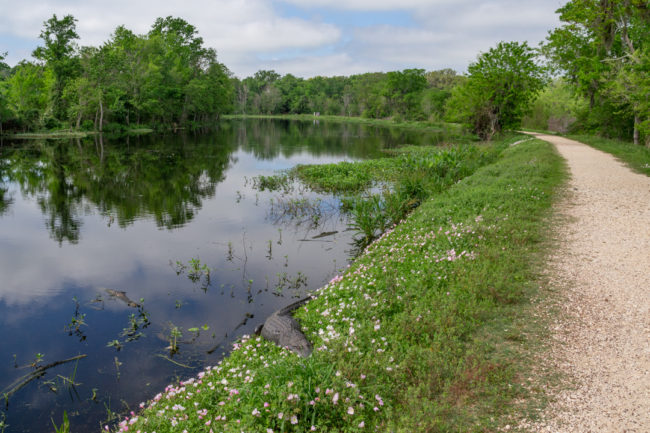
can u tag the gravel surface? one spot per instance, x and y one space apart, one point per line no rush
602 341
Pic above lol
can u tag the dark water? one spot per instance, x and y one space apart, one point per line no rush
81 216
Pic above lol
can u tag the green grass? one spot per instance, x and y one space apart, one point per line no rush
417 335
63 134
635 156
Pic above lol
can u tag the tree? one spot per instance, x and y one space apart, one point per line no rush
498 90
28 90
602 50
58 55
4 109
403 89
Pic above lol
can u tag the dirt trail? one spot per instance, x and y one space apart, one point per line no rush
602 343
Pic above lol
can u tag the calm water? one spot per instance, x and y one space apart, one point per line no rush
82 216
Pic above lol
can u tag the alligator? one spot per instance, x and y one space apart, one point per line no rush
282 329
122 297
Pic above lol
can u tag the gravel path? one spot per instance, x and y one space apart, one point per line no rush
602 342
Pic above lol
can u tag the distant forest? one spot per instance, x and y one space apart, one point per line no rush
591 74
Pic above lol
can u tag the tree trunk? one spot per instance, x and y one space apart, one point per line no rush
636 134
78 121
101 115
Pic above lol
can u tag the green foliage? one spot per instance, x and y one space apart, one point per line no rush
500 86
410 338
58 52
28 90
408 178
166 77
556 108
409 94
65 426
602 49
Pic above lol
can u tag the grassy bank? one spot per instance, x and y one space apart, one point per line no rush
417 335
420 125
636 157
64 134
67 134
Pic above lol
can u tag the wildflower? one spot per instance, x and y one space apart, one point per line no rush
362 424
268 430
256 412
335 399
280 415
350 410
313 428
294 420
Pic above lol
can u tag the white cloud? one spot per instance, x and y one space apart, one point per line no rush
373 5
247 33
233 27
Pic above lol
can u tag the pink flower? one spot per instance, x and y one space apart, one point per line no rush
350 410
335 399
362 424
294 420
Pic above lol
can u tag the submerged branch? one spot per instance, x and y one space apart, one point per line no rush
38 372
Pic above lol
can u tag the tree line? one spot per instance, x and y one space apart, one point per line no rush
166 77
592 73
408 94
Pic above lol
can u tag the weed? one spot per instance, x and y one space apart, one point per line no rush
76 322
65 426
175 334
116 344
196 271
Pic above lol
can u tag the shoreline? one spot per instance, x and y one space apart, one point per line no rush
418 330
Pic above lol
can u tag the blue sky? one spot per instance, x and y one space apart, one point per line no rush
303 37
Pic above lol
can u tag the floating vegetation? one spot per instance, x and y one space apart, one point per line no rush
117 364
285 281
136 323
196 272
76 322
279 182
116 344
175 334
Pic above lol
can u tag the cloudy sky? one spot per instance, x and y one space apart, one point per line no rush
303 37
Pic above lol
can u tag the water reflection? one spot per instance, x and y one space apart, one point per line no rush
150 255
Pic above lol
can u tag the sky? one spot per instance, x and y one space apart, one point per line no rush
303 37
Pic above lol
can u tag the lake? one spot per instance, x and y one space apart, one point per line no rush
128 264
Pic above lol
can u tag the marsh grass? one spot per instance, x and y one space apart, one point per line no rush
417 335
